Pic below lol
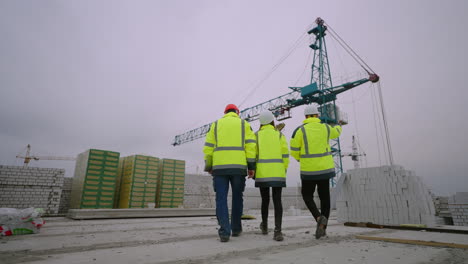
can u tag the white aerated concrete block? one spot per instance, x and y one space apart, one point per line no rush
458 206
385 195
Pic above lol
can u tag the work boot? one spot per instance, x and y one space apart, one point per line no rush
264 228
278 236
320 230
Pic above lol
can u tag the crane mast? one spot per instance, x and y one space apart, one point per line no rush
320 91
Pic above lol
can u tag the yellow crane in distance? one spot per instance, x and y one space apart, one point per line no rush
27 158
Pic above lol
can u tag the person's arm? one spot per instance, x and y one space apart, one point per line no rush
250 148
296 144
285 151
335 131
210 143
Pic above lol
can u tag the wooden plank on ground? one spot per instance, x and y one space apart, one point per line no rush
414 242
407 227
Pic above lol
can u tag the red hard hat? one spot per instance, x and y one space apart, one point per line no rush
231 107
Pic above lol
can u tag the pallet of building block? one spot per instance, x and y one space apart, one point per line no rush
171 165
170 204
169 194
140 176
118 183
95 170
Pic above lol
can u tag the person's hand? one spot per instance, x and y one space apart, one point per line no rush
210 172
251 174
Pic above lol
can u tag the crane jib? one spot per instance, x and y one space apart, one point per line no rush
320 90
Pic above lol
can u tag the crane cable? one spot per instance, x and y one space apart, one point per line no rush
368 69
384 118
281 60
353 54
276 66
375 126
305 68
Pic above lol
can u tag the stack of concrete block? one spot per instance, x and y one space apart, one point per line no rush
442 211
31 187
441 206
94 180
65 196
171 184
137 181
388 195
198 191
458 206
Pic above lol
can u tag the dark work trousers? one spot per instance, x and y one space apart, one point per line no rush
265 192
323 188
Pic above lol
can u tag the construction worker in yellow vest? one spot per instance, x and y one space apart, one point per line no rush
272 163
310 146
230 152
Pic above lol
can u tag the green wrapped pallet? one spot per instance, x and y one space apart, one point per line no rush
94 181
171 185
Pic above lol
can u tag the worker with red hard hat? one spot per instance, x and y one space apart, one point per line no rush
230 153
231 107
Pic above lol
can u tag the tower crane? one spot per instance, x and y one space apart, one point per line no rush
320 91
27 158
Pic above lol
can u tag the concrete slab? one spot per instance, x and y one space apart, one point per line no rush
138 213
195 240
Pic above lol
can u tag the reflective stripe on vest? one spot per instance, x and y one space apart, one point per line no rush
317 172
243 132
306 143
270 161
269 179
228 148
230 166
318 155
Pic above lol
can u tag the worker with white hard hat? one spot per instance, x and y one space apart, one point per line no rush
272 163
310 146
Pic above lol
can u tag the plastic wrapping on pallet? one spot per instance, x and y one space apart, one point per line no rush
20 221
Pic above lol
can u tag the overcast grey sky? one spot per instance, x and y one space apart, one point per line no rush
128 76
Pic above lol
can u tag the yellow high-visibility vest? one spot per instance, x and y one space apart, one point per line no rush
229 144
310 146
272 158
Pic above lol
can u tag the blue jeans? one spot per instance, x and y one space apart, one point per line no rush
221 187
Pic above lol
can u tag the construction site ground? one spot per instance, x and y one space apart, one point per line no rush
195 240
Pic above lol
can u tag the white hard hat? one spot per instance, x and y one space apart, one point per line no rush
266 117
311 110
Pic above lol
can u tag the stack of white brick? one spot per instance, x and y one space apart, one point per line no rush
31 187
198 191
388 195
65 196
458 205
